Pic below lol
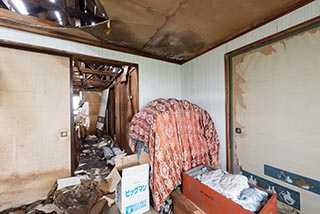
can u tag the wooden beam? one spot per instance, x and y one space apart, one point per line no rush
79 88
92 82
98 72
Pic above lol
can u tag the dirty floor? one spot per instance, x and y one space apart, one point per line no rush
87 194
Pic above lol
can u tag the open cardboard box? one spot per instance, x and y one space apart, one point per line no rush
130 179
210 201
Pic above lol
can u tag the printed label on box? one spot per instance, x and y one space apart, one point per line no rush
136 190
137 206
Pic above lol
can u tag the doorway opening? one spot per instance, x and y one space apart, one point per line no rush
105 97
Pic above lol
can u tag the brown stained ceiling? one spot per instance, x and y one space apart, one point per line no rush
172 30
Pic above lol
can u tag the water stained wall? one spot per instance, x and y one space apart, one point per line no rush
34 112
275 103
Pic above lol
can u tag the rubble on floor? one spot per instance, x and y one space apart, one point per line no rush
88 192
97 152
75 195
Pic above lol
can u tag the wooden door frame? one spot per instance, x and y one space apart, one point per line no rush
228 76
98 60
70 55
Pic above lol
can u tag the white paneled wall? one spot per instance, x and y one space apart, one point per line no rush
156 78
203 78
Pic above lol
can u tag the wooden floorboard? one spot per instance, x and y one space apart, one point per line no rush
182 205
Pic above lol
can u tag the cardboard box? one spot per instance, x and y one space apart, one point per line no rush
210 201
130 179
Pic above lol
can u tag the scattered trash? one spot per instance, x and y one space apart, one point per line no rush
110 201
80 172
82 164
65 182
86 151
75 195
104 143
109 150
49 208
111 153
91 138
17 212
90 191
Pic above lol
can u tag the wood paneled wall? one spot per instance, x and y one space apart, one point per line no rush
126 102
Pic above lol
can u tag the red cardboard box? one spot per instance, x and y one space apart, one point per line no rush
210 201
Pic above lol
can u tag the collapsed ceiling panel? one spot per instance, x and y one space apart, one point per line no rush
171 30
92 75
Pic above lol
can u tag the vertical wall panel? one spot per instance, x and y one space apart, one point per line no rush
204 85
203 78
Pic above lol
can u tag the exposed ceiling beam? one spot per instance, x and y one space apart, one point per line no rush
98 72
91 82
79 88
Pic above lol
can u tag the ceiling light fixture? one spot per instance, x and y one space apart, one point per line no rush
20 7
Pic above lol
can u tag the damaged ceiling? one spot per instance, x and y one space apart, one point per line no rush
170 30
91 75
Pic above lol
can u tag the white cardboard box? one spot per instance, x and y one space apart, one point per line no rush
132 186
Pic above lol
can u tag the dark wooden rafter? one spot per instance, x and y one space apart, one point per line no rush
94 82
93 75
97 72
66 17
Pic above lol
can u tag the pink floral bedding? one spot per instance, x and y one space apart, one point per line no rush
179 135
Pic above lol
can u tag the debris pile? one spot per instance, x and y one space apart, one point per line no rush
109 150
88 192
99 151
74 195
